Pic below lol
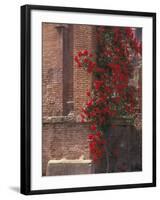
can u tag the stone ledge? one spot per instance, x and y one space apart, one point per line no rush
80 161
58 119
69 167
72 119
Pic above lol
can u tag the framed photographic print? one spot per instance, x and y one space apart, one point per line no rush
88 99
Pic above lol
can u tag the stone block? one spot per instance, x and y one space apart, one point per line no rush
69 167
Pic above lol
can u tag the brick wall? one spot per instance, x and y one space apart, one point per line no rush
52 88
64 140
84 38
62 82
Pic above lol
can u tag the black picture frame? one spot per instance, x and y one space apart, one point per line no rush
26 98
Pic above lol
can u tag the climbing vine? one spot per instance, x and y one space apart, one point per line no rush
112 95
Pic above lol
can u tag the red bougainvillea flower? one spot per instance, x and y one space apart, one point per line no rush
98 134
91 66
80 54
85 112
106 110
82 116
117 99
98 84
98 69
96 145
90 136
76 59
88 93
89 103
85 52
93 114
86 60
108 90
82 120
93 127
129 32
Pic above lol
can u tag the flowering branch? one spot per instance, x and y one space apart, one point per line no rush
111 95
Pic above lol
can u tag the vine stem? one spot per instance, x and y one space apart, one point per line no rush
107 158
